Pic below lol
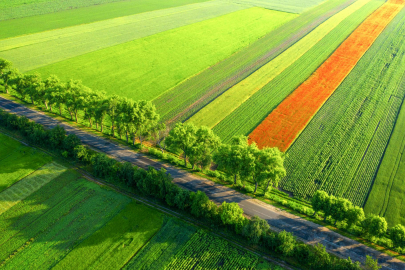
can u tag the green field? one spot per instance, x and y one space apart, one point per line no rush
293 6
62 19
225 104
252 112
387 195
33 51
341 148
17 161
55 219
145 68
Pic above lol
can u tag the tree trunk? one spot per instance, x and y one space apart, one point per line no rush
126 135
91 124
134 139
335 222
314 213
32 100
324 220
140 140
46 104
50 107
96 124
112 130
76 116
101 126
185 160
192 166
234 179
255 187
60 110
268 184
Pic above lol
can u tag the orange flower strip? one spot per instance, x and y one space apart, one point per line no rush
283 125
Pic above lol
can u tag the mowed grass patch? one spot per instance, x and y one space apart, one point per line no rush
225 104
14 194
83 208
116 243
83 15
145 68
167 242
17 161
387 195
252 112
340 150
33 51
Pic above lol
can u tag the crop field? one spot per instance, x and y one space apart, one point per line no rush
283 125
17 161
222 106
174 50
253 111
293 6
346 139
33 51
56 219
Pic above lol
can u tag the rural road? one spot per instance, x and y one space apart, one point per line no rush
306 231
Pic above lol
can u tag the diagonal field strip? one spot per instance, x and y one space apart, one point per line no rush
293 6
225 104
27 52
28 185
287 121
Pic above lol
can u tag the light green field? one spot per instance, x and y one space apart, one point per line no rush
387 195
17 161
23 188
225 104
115 243
145 68
293 6
33 51
83 15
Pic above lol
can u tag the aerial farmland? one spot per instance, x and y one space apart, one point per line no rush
295 104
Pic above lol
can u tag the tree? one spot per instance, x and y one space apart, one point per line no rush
101 110
7 73
4 65
318 201
375 226
113 107
75 97
34 87
328 207
199 204
286 243
70 143
182 137
340 209
255 229
232 214
371 264
145 120
205 144
57 136
355 215
49 89
397 235
320 257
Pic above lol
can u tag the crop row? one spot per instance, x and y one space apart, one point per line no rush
145 68
386 196
283 124
252 112
65 229
165 244
204 251
188 97
14 194
33 51
225 104
340 149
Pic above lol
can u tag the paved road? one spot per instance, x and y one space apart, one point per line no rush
306 231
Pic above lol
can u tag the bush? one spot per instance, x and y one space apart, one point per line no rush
285 243
249 189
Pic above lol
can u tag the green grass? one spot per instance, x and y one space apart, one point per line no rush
387 195
166 243
225 104
82 211
341 148
117 242
83 15
17 161
19 191
252 112
41 49
145 68
293 6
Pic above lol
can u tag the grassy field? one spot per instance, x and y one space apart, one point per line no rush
225 104
145 68
293 6
17 161
252 112
180 103
341 148
33 51
84 15
387 195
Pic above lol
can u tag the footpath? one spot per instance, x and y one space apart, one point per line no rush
278 219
